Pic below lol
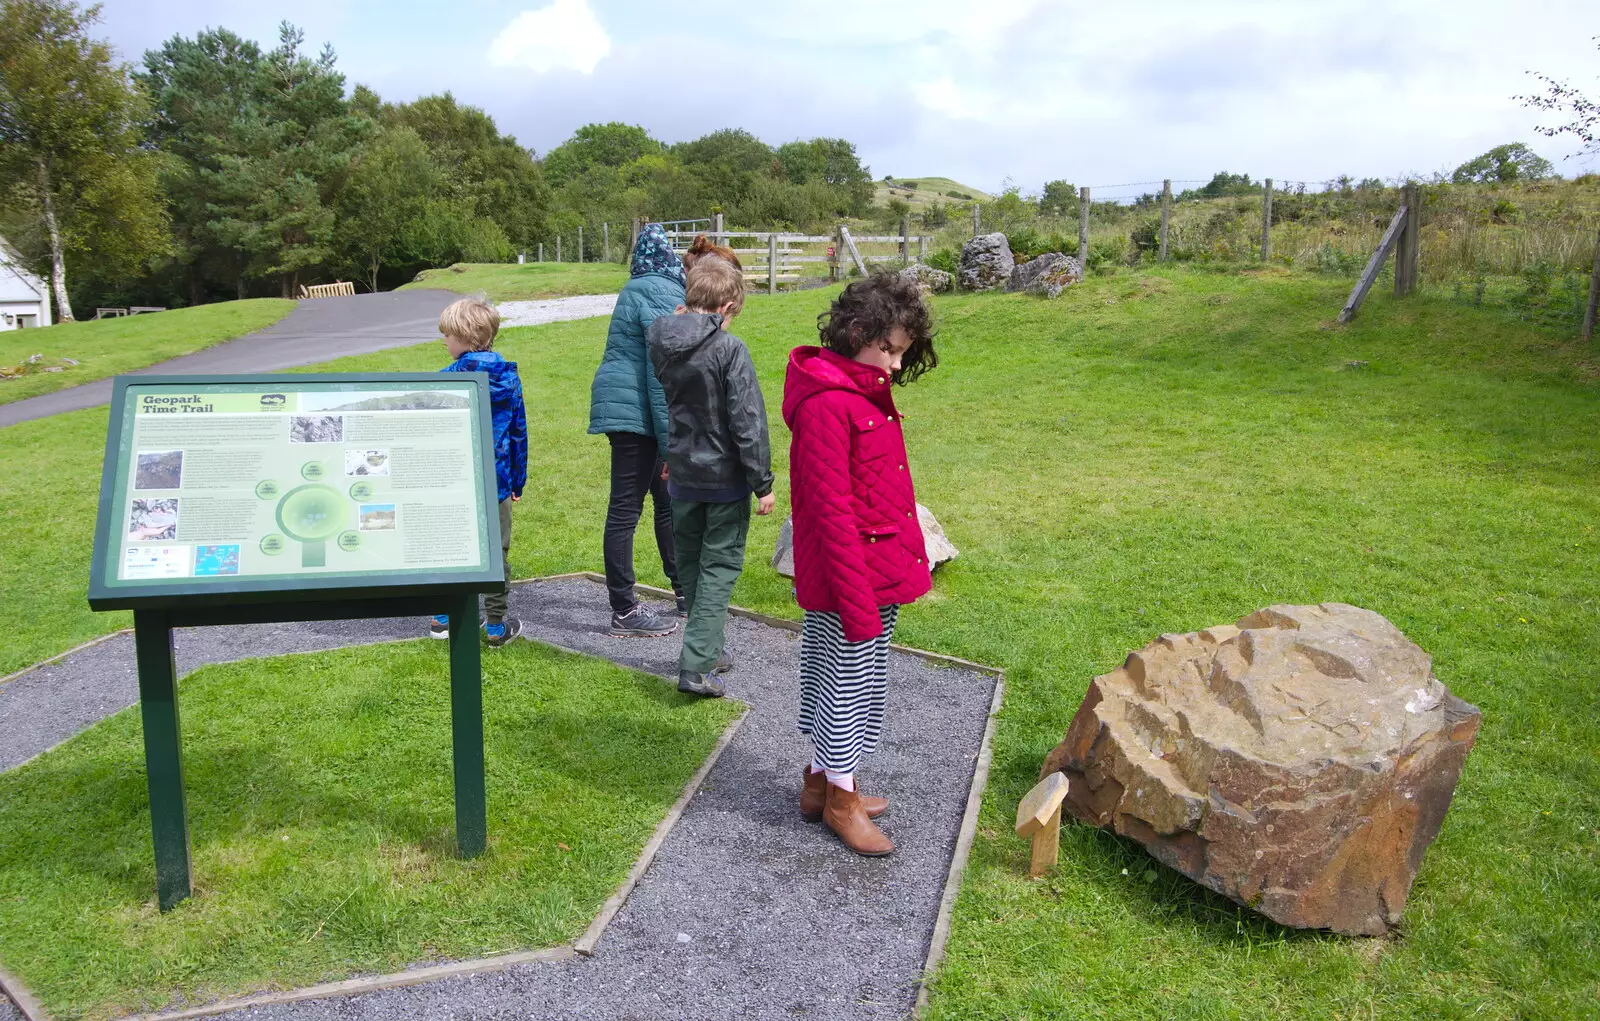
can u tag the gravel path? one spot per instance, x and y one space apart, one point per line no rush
555 310
747 912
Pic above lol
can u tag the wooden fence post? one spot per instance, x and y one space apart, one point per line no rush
905 239
1408 257
1374 265
772 263
977 219
605 242
836 262
716 229
633 238
1166 214
922 248
541 251
1083 229
1593 308
558 247
580 243
1266 222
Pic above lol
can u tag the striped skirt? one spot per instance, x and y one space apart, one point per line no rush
843 687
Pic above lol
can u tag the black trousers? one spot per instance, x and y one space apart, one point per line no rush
635 471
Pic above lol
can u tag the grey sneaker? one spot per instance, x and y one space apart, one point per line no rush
640 622
723 664
691 683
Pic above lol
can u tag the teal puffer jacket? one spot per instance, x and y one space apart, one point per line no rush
626 397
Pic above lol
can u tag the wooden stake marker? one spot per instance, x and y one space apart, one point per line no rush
1039 817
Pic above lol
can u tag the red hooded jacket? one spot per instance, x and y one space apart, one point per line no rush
857 541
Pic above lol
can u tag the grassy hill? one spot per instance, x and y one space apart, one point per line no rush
928 190
531 281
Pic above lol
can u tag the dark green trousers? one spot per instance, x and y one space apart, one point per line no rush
708 539
495 604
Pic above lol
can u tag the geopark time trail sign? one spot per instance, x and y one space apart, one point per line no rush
261 498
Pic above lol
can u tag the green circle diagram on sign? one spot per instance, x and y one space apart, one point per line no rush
312 513
267 489
350 541
312 470
272 544
361 491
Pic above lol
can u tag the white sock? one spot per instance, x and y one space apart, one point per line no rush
817 766
843 781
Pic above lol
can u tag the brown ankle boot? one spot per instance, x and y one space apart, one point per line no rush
848 820
814 795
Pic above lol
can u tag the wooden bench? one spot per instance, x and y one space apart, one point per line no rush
109 313
134 310
337 289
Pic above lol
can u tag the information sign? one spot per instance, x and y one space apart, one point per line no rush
244 499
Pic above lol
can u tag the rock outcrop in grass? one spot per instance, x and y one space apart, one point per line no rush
1299 762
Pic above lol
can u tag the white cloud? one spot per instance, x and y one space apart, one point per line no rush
564 35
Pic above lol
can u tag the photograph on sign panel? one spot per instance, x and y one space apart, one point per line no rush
316 429
214 560
153 520
366 462
377 517
159 469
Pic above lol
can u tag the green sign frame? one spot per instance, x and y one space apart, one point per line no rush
159 605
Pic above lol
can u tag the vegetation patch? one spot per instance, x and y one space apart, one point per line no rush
322 815
529 281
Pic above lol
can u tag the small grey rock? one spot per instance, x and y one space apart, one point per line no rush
1048 274
986 262
932 281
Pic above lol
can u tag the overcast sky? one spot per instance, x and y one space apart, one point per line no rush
1096 93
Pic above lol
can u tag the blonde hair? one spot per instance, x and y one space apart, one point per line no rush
472 321
703 247
714 283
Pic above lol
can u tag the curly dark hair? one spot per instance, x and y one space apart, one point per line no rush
869 310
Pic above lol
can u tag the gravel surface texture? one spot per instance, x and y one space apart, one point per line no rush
555 310
747 911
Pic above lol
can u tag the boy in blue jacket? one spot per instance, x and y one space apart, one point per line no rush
469 327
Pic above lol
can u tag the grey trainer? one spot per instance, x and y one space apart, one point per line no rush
691 683
641 622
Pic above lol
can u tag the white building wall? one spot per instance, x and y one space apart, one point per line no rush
24 300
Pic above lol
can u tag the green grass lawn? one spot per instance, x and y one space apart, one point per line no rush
1153 452
527 282
321 811
106 347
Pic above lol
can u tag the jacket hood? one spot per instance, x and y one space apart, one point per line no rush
677 336
503 381
653 253
814 370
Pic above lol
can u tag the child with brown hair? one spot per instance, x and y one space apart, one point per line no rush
718 457
858 549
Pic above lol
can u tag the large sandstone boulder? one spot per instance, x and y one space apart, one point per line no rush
1048 274
986 263
940 549
934 281
1299 762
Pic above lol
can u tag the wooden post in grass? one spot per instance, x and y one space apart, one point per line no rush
905 239
1408 256
1083 229
922 247
636 226
772 263
1369 275
1593 309
1266 222
605 241
977 219
1166 214
558 246
1039 817
580 243
716 229
541 251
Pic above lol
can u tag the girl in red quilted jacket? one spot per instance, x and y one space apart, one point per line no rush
858 551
